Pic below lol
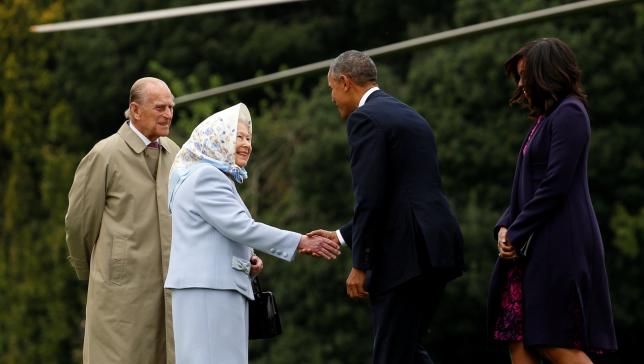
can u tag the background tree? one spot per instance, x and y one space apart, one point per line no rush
38 295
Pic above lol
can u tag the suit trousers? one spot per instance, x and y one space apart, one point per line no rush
210 326
401 317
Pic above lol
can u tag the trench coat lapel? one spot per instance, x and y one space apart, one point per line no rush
131 139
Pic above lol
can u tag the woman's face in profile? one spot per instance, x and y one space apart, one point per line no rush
243 146
521 73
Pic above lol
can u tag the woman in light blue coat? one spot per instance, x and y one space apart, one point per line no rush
213 236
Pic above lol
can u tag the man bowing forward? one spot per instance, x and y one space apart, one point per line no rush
406 244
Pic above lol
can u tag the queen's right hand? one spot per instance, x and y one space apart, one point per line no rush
318 246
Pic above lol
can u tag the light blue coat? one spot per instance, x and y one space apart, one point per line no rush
213 235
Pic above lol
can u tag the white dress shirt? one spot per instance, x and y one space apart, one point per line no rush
140 135
363 99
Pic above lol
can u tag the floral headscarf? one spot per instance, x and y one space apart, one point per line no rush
213 141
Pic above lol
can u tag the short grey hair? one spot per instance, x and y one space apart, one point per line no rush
355 64
138 91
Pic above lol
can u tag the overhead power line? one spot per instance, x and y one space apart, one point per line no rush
154 15
420 42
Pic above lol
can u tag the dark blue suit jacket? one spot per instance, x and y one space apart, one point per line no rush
402 224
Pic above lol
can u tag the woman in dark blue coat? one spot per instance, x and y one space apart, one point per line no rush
549 290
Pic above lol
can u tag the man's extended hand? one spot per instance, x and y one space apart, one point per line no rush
318 246
331 235
355 284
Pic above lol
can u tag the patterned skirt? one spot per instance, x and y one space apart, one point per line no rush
509 324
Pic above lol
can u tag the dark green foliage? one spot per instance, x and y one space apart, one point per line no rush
41 302
61 93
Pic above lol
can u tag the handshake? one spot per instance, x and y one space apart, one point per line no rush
320 243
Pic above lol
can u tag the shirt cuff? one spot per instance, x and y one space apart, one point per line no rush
337 232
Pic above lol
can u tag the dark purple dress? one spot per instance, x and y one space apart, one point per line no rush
558 294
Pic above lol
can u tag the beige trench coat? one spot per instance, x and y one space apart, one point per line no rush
118 235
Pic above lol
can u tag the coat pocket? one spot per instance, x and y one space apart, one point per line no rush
241 276
240 264
118 261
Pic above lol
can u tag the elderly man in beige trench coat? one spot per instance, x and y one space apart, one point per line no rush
118 234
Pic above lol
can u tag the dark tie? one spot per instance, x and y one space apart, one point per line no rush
154 145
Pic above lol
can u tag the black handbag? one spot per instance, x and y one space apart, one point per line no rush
264 319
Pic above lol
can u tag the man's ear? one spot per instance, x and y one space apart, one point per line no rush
346 82
134 110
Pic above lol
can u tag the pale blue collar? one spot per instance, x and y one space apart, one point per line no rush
178 175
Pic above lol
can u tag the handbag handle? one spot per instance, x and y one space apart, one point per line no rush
257 287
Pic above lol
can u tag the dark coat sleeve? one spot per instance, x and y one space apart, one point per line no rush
504 221
347 231
570 132
368 169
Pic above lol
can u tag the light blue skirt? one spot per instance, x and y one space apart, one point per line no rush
210 326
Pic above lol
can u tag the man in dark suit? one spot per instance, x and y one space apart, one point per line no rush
406 243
